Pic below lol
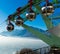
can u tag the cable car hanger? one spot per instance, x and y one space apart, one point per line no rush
31 14
10 26
19 21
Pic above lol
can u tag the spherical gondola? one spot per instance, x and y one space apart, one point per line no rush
47 9
31 15
19 21
10 27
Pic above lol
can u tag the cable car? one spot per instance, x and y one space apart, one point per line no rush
31 15
47 9
19 21
10 27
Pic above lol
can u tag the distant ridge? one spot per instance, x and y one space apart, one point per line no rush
23 33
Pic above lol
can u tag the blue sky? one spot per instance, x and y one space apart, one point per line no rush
8 7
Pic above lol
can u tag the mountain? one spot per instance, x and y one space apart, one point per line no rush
10 42
19 33
10 45
23 33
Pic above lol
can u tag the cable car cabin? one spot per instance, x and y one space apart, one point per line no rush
10 27
47 9
19 21
55 50
31 15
